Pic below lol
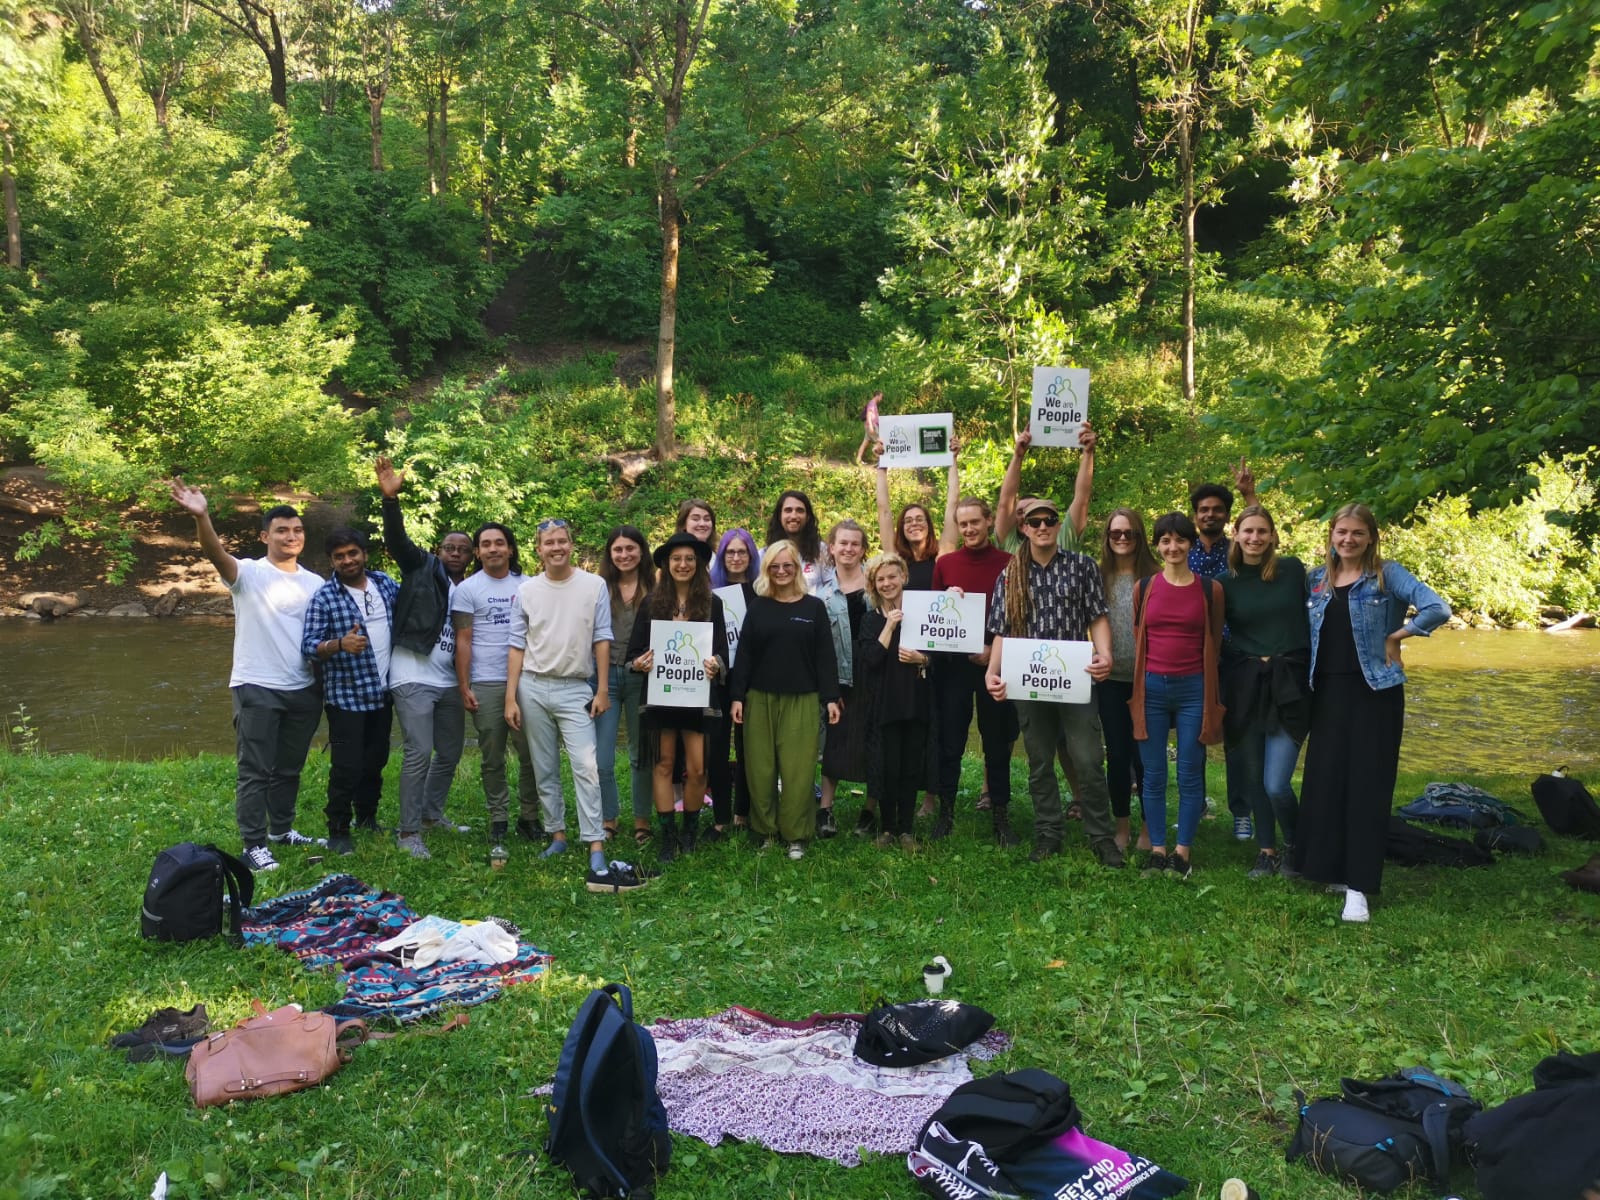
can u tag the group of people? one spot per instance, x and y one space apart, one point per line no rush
1192 636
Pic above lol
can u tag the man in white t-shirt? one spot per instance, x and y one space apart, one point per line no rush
480 609
348 630
276 699
561 639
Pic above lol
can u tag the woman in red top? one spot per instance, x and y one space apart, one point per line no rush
1177 638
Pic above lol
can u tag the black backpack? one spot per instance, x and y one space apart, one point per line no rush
921 1031
185 895
1413 847
1541 1143
607 1123
1385 1133
1567 806
1008 1114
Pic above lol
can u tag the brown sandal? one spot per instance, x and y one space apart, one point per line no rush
641 835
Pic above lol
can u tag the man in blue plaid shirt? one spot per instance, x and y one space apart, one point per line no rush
347 632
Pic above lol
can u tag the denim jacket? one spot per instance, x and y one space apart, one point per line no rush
838 605
1374 615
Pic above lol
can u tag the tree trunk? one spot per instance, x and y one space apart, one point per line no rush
630 119
666 446
375 123
158 102
433 166
278 64
1186 165
91 52
8 187
444 133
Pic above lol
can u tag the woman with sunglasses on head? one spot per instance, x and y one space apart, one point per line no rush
1177 639
737 563
1358 609
784 669
683 594
625 566
1125 559
1266 681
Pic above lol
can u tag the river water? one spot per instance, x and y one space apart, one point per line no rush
1479 701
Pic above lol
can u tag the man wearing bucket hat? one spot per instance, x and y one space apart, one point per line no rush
1054 594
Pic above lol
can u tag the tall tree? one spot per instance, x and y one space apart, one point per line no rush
269 28
30 62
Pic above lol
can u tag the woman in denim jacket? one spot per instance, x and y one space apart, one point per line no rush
1358 605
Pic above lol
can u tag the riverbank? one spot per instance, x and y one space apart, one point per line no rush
1183 1015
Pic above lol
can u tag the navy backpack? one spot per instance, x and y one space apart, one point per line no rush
607 1123
188 888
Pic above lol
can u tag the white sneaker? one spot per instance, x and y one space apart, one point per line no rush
260 859
295 838
797 851
1355 906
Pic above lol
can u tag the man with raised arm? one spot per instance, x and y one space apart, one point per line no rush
277 701
480 610
422 669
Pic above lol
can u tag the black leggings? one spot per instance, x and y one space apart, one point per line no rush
1124 767
903 747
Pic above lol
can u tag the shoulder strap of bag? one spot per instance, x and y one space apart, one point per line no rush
241 889
623 997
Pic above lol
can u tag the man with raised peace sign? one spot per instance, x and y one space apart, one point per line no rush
277 701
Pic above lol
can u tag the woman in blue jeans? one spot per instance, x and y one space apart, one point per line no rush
625 566
1266 681
1177 638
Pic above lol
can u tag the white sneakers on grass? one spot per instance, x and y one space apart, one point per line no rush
1355 906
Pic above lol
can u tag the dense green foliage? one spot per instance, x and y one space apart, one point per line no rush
243 257
1184 1016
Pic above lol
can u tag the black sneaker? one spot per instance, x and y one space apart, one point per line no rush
713 835
1004 837
866 823
1266 866
1179 866
827 827
619 877
340 843
166 1025
1155 864
260 859
369 825
497 832
944 1165
530 830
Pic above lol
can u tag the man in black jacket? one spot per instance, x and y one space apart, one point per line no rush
422 677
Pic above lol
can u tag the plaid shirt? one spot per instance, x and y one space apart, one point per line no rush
349 681
1068 596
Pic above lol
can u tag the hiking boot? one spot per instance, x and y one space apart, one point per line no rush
618 877
944 824
260 859
1155 864
689 832
1109 853
908 843
1266 867
1044 850
1355 907
884 840
667 837
797 851
295 838
497 832
411 843
1243 829
866 822
1003 835
340 843
1585 878
827 827
529 830
1179 866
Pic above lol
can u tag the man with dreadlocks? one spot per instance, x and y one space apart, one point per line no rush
1056 594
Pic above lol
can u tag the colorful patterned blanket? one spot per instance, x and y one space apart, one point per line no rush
339 923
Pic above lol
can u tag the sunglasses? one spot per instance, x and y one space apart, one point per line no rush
1044 521
1120 535
553 523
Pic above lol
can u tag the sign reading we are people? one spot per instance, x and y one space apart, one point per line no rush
918 440
942 621
732 616
1060 405
678 676
1057 672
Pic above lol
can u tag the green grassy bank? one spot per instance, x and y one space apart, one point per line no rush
1184 1015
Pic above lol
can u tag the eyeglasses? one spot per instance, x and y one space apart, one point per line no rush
1043 521
781 566
553 523
1120 535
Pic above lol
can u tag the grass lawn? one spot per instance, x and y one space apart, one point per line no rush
1184 1015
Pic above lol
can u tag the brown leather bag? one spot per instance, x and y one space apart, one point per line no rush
285 1050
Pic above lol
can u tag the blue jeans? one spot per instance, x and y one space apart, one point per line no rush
1265 759
1173 702
627 691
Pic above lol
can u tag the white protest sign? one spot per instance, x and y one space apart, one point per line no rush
1060 405
1042 670
678 676
918 440
942 621
732 598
